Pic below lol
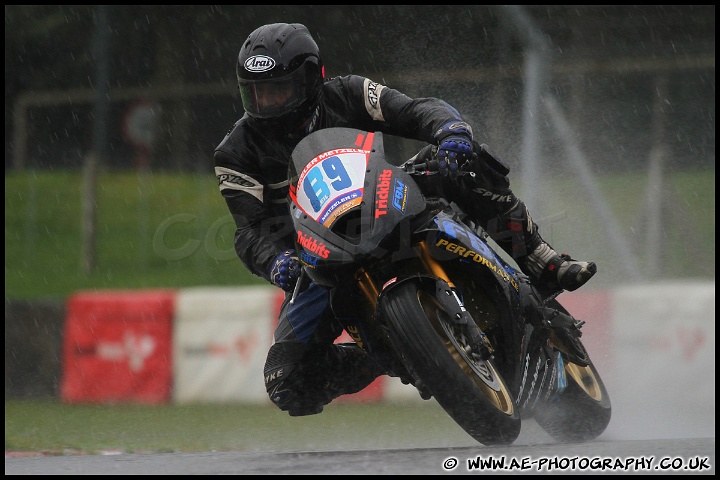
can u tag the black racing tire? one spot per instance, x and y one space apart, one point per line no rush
470 390
581 412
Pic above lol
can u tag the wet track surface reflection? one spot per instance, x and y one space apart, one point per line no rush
671 456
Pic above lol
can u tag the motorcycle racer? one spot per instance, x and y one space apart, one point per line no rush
286 96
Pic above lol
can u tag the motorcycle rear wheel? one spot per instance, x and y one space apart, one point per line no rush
435 351
582 411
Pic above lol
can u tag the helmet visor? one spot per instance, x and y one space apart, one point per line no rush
273 97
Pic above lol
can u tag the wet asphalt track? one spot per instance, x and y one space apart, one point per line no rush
692 456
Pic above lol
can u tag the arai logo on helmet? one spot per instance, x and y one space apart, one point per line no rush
259 63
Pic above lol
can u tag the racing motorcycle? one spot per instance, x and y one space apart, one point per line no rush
430 299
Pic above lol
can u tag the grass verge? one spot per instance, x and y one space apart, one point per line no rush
55 428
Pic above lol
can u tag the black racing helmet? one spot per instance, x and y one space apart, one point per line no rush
280 75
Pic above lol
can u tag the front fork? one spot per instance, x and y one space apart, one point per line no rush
445 292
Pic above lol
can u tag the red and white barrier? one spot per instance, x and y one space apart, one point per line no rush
654 346
118 347
661 363
221 338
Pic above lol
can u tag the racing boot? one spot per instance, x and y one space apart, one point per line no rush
551 272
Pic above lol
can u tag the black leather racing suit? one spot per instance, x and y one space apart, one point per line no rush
304 370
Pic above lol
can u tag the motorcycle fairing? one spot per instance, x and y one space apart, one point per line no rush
340 181
455 240
540 373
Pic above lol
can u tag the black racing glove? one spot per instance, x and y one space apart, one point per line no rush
455 147
285 270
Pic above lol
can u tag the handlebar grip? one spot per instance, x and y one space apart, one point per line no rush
432 165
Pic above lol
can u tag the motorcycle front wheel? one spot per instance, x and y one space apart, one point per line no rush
436 351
